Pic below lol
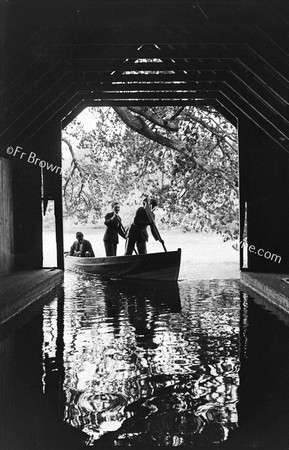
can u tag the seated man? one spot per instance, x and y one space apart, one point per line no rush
81 247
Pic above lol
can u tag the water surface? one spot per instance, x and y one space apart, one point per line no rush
108 363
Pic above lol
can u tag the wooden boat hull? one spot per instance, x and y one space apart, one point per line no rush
163 266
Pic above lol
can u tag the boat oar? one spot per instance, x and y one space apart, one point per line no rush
156 231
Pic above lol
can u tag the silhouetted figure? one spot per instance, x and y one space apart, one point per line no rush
138 230
114 228
81 247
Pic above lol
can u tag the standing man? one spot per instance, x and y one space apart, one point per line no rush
114 228
138 230
81 247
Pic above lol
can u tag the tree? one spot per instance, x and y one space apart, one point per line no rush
186 156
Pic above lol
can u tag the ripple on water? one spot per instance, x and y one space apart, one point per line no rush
150 364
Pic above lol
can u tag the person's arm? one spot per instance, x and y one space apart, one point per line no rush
110 220
154 232
91 251
71 253
154 229
121 230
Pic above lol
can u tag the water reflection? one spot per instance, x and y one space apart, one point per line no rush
150 364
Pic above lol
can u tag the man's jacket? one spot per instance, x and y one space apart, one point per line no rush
113 228
84 246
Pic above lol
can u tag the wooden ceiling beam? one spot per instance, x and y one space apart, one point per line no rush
144 87
37 112
18 100
266 51
263 73
250 104
38 106
239 108
150 95
214 84
198 103
231 105
92 13
254 105
238 73
234 77
73 113
154 51
100 65
193 75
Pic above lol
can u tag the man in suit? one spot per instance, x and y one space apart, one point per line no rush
114 228
137 233
81 247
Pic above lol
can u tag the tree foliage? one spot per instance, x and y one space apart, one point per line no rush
185 156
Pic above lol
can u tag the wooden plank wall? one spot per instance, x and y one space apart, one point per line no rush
264 185
6 217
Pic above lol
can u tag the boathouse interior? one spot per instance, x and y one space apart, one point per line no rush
59 57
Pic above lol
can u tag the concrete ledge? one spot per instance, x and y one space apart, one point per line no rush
270 286
20 289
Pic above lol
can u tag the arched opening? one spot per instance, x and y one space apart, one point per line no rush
186 157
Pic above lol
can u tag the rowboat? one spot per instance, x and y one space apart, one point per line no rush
163 266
